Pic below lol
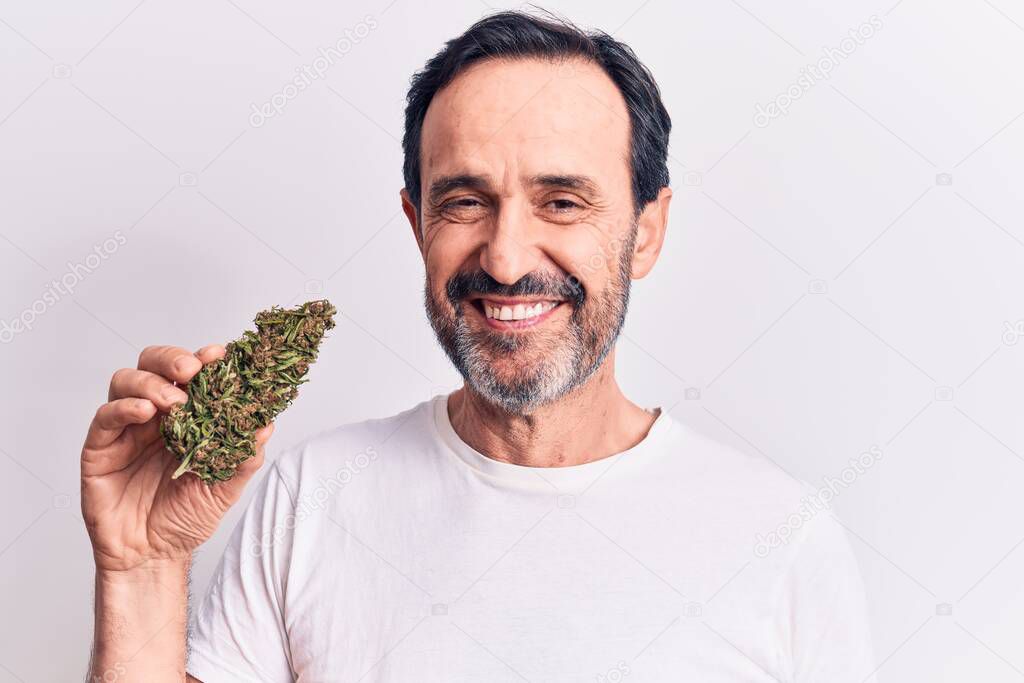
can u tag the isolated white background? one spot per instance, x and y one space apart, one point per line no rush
819 292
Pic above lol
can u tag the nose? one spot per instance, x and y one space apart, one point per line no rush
509 252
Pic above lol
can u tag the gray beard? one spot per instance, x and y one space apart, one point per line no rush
592 331
561 371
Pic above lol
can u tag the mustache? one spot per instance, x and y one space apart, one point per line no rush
567 288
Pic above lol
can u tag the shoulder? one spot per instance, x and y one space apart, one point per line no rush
750 478
341 451
760 493
754 495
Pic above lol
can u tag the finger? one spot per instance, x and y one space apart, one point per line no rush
210 353
113 417
130 383
173 362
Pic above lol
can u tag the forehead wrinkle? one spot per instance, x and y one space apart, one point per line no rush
485 182
505 115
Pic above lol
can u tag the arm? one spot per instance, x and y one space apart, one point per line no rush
140 623
144 525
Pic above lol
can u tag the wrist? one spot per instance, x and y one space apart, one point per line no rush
148 571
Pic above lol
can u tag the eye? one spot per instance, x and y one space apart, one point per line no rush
462 202
466 208
564 209
563 205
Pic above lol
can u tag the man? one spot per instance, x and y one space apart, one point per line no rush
533 525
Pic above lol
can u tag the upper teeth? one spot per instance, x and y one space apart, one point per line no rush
519 311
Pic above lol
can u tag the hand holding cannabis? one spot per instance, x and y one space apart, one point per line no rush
213 432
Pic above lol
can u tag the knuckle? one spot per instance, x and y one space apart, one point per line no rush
138 406
120 375
152 387
174 354
150 350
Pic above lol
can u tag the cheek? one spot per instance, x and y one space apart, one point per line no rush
449 249
439 268
589 256
445 254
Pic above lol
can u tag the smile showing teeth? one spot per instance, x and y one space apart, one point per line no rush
519 311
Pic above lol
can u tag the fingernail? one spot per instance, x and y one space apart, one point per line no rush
182 364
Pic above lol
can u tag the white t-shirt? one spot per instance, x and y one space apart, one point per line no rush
390 550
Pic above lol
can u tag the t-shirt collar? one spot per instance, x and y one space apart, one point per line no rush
571 477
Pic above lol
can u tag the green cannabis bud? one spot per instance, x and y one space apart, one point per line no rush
229 399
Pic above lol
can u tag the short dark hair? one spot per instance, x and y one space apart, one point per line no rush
519 35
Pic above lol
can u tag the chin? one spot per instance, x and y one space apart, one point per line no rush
506 385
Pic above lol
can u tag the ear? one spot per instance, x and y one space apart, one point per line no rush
650 233
410 212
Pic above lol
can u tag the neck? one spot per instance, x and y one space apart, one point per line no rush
592 422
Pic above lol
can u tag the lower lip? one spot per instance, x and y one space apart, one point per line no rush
506 325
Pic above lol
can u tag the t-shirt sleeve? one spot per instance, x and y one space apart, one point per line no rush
238 632
825 603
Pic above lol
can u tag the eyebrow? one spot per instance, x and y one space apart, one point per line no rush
445 184
571 182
